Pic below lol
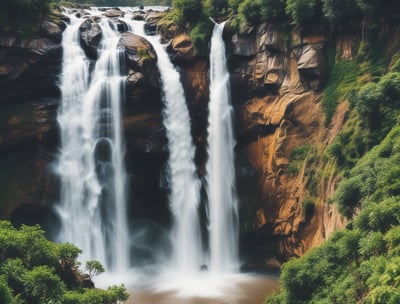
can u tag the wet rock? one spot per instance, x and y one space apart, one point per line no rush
143 80
90 37
113 13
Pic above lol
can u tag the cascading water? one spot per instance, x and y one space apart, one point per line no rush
187 254
220 176
93 178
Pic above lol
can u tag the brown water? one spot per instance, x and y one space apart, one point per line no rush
249 289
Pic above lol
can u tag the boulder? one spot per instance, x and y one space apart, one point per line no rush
90 37
51 30
151 22
181 48
113 13
143 75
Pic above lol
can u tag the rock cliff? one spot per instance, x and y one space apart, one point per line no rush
276 93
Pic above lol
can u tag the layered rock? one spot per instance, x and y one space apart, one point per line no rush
278 108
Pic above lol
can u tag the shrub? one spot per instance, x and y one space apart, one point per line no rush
348 196
188 10
38 271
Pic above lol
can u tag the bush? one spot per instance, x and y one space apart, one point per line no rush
303 12
255 11
348 196
188 10
39 271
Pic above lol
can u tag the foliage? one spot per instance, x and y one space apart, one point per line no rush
303 12
34 270
190 15
359 264
255 11
24 15
94 268
216 8
187 10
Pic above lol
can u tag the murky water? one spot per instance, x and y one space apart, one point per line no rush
245 289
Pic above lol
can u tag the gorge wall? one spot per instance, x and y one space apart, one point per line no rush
276 94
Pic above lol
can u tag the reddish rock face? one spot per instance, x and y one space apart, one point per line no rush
278 109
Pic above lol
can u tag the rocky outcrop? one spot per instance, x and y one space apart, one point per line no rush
29 92
277 102
90 37
181 48
143 82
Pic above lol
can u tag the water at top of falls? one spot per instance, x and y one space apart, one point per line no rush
91 163
220 170
187 256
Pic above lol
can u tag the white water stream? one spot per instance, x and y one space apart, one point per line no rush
222 201
187 256
91 162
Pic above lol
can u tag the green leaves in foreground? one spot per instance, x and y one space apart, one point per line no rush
34 270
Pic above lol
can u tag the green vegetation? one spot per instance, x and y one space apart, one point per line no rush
361 263
34 270
297 158
24 16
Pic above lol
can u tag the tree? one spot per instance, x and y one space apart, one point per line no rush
188 10
367 7
37 271
303 12
216 8
94 268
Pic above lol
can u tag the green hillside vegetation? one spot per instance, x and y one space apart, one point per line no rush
34 270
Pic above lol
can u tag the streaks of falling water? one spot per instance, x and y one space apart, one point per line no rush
91 163
220 176
187 256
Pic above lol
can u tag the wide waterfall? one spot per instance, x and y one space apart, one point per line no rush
222 201
187 256
91 162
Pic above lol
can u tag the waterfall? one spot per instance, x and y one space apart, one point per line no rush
91 162
187 254
220 176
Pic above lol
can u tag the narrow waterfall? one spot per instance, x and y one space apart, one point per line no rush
187 254
220 176
91 162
